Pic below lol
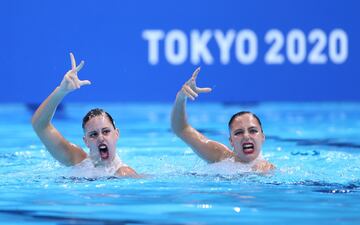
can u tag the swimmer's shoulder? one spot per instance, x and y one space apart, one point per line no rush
84 162
227 155
218 152
127 171
264 166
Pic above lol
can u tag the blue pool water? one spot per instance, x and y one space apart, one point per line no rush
315 146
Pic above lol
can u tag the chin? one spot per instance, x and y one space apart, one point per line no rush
247 158
109 159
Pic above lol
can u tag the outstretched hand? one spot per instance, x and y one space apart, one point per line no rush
71 80
190 90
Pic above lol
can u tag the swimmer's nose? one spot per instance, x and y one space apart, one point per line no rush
101 137
246 135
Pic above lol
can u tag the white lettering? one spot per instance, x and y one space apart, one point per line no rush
173 38
276 39
243 56
199 48
338 46
296 46
316 55
195 47
153 37
224 42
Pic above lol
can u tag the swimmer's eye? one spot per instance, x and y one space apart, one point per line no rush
239 132
253 131
105 132
93 134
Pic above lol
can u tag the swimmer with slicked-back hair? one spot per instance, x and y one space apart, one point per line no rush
100 133
246 134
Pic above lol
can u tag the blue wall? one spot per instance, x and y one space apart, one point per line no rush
140 50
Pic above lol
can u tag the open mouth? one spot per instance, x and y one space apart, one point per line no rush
104 151
248 148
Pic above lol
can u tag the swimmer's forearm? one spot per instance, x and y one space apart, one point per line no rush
178 115
46 110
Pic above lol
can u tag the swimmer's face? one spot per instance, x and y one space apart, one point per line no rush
246 137
101 137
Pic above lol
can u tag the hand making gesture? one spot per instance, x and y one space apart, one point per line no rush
71 80
190 90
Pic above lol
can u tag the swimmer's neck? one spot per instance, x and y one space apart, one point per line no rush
239 160
113 163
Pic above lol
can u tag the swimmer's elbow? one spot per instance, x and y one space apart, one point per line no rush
179 130
40 121
36 124
176 130
39 125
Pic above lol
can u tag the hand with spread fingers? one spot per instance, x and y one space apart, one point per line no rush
71 80
190 90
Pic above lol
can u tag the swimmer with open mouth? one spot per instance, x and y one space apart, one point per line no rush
246 134
100 133
104 151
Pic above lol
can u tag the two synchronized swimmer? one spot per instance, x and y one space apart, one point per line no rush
101 134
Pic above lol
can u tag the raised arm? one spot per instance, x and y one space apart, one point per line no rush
61 149
210 151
